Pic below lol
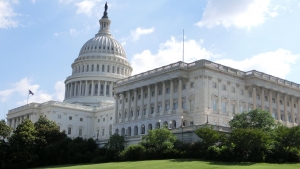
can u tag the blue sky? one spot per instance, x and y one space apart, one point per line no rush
41 38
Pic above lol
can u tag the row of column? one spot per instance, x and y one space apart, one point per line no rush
14 122
101 68
89 88
143 89
278 109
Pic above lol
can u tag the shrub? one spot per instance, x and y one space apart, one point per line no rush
133 153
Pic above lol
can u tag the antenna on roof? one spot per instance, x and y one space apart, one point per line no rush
183 46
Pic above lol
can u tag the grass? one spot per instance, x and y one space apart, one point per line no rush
180 163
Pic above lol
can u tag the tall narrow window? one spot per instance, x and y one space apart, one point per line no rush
107 68
90 89
224 107
80 132
107 90
103 68
233 109
87 68
96 89
214 102
98 68
118 70
92 68
69 130
101 89
82 68
113 69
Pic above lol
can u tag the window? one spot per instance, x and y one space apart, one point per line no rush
250 94
192 105
175 105
87 68
183 105
242 109
97 68
274 114
288 103
266 98
103 119
113 69
81 119
223 87
70 117
80 132
242 92
152 109
101 89
214 105
69 130
98 120
107 90
110 118
175 88
146 95
159 108
273 100
214 85
257 96
294 105
232 89
59 116
152 93
183 87
118 70
159 92
233 109
167 108
103 131
103 68
224 107
92 68
132 98
82 68
58 128
280 102
192 84
144 110
107 68
139 96
96 90
168 90
282 117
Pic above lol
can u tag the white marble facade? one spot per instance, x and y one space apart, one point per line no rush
102 98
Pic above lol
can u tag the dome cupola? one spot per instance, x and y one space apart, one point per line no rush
101 62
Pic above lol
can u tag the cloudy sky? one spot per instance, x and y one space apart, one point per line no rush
39 39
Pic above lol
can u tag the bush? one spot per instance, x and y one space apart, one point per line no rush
133 153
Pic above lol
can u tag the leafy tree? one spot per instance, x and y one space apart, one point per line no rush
47 133
23 145
208 135
250 143
4 129
255 119
133 153
115 142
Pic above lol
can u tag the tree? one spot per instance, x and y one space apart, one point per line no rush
4 129
250 143
208 135
23 145
255 119
115 142
47 133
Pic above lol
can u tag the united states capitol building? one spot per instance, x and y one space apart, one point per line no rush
102 98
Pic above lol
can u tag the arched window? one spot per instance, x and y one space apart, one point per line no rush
136 130
143 129
117 131
129 131
150 126
123 132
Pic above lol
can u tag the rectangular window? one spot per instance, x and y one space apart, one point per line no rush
280 102
69 130
214 85
214 105
224 107
168 90
233 109
192 84
132 98
257 96
233 90
80 132
159 92
223 87
97 68
167 107
242 92
250 94
183 105
92 68
175 88
70 117
103 131
59 116
152 93
266 98
98 120
146 95
81 119
139 96
87 68
192 105
103 67
175 105
58 128
273 100
183 87
241 109
103 119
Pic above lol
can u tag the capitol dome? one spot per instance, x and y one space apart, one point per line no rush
101 62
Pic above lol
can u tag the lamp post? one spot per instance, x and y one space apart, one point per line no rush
170 125
159 123
182 128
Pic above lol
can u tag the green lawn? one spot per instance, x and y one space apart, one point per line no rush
181 164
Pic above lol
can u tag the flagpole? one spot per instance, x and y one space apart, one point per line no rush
183 46
27 97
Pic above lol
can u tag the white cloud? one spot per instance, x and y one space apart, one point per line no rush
33 1
241 14
21 88
135 34
169 52
73 32
7 14
277 63
65 1
86 6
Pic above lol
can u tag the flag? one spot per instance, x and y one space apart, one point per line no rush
30 92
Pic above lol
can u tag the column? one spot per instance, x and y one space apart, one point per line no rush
163 96
179 94
171 94
270 102
292 109
98 94
86 88
220 97
254 97
298 111
13 123
262 98
122 106
135 103
104 94
80 88
155 98
149 100
278 105
116 107
93 88
72 94
66 91
142 102
128 104
75 91
285 108
111 89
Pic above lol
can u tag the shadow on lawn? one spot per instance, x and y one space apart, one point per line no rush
63 166
215 162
